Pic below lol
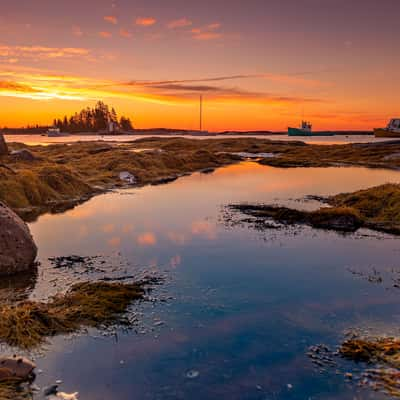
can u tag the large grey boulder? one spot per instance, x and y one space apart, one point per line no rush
17 248
3 146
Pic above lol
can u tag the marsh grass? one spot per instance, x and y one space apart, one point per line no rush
62 174
376 208
14 391
27 324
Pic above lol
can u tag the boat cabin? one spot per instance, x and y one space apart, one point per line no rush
306 126
394 124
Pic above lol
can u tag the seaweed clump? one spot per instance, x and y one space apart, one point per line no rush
15 391
90 304
384 354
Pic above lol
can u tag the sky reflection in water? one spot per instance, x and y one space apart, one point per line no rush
246 305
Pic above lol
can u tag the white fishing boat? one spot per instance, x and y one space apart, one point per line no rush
56 132
392 129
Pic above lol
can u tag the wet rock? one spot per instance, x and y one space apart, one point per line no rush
3 146
50 390
16 368
23 155
17 248
127 177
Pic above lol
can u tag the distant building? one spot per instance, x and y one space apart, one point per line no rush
112 127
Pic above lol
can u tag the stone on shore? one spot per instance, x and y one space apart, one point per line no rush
17 248
3 146
16 368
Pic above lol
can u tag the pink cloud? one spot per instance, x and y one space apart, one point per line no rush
105 34
125 33
207 33
147 239
180 23
114 242
207 36
42 52
214 26
111 19
204 228
145 21
77 31
109 228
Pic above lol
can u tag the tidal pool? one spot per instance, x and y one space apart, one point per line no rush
242 307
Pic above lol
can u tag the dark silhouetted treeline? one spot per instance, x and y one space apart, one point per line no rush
97 119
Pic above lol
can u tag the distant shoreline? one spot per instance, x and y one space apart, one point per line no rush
180 132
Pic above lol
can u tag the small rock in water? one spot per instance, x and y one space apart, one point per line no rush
50 390
64 396
192 374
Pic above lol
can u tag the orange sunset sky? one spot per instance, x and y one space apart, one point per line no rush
259 64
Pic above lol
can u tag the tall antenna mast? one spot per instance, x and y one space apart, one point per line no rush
201 113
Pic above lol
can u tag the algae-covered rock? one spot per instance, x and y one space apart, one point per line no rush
17 248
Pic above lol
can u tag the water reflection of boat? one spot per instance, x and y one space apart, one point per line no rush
392 129
306 130
55 132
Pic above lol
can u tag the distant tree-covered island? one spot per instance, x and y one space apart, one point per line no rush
98 119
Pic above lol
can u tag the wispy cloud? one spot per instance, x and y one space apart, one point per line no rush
46 86
41 52
209 32
112 19
15 87
180 23
297 79
145 21
207 36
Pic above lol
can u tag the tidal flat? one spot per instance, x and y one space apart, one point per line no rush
239 310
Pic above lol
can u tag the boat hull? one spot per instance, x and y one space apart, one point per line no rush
301 132
380 132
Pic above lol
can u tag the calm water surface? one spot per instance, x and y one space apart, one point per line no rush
245 305
44 140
